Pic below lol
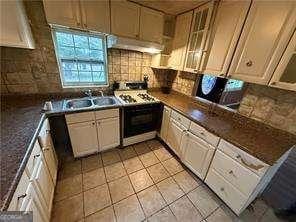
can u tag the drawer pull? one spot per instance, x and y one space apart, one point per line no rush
250 165
21 196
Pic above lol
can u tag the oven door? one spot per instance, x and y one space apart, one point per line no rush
141 119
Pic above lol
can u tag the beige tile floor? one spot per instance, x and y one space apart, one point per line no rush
143 182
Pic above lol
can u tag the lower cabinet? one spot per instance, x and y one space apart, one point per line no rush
165 123
175 133
197 154
108 133
83 138
91 132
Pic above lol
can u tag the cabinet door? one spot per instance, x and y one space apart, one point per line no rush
165 123
83 138
268 28
198 36
174 136
125 18
63 12
225 34
15 30
108 133
43 186
32 203
151 25
285 74
182 30
96 15
197 154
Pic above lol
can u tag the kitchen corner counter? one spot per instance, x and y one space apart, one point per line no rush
258 139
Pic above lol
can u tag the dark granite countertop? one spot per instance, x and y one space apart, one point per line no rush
258 139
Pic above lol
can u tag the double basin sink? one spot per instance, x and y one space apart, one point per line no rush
82 103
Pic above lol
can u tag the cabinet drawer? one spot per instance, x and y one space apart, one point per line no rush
239 176
19 194
226 191
204 134
33 159
108 113
180 119
80 117
252 163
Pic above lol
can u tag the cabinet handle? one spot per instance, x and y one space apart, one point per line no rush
249 63
231 172
85 25
195 70
37 155
221 74
47 131
45 149
272 83
21 196
250 165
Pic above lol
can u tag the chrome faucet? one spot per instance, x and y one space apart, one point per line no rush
88 93
101 92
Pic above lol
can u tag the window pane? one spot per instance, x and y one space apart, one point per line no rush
85 77
71 76
95 43
64 39
203 19
196 23
192 42
81 41
66 52
99 77
82 58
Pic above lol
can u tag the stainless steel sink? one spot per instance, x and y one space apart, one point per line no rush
84 103
104 101
78 103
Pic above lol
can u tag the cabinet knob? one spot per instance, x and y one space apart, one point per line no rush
195 70
85 25
249 63
222 189
78 24
45 149
93 123
47 131
272 83
202 133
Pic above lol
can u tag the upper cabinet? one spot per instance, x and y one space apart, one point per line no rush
96 15
125 18
266 33
134 21
285 74
182 30
151 25
225 33
87 14
15 30
65 13
198 36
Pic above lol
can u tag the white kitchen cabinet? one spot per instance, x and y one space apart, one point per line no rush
197 154
108 133
182 30
15 30
151 25
165 123
174 136
198 37
225 33
43 186
285 74
63 12
33 203
86 14
96 15
125 19
83 138
45 141
266 33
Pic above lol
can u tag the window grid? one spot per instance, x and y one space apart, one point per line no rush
90 70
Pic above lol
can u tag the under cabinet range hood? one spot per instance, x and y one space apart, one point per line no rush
133 44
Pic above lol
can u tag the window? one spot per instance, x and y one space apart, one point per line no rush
82 58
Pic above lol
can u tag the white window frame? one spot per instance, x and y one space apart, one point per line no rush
71 31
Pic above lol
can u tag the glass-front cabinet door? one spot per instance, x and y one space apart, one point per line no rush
285 74
198 35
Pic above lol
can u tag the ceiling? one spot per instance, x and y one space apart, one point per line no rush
172 7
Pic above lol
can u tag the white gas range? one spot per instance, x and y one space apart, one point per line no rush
141 113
